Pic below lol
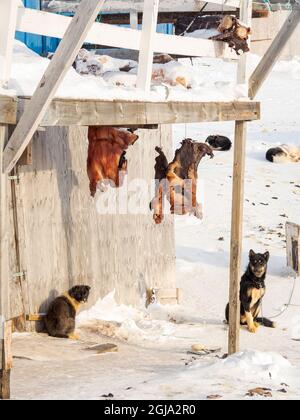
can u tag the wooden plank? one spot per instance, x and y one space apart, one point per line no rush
8 19
57 69
134 20
53 25
293 246
267 63
147 44
8 110
246 18
59 227
65 112
236 235
122 6
6 358
35 317
4 232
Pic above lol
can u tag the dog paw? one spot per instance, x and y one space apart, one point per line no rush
252 329
74 336
257 325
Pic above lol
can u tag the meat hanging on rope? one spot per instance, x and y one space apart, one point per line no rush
177 181
217 27
106 163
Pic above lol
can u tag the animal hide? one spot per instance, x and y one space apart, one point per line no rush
227 29
106 163
178 180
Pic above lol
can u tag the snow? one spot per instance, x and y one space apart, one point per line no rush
153 360
99 77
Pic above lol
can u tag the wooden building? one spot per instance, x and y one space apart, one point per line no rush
51 235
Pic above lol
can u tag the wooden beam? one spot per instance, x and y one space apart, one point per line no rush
123 6
6 358
53 25
246 18
5 341
268 61
67 112
61 62
8 20
8 110
236 235
147 44
238 202
134 20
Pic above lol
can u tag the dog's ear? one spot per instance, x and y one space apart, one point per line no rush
251 253
267 256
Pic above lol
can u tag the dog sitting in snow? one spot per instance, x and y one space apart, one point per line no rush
60 318
284 154
252 291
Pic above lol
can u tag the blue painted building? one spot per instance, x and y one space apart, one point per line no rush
43 45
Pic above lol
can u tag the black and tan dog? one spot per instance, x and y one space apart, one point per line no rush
252 291
60 318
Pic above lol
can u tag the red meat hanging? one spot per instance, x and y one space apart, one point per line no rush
178 180
106 163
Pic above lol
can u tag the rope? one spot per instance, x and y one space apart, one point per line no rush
286 305
194 20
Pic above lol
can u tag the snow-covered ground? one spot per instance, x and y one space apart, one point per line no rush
153 360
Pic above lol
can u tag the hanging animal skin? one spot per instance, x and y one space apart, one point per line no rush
178 180
106 163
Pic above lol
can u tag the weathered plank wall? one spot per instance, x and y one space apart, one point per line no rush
65 241
264 31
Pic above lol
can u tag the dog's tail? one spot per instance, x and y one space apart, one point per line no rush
266 322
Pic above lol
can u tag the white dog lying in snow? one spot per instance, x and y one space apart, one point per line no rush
283 154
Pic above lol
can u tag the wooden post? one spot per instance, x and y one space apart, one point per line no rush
61 62
147 42
271 56
134 19
238 202
6 358
5 336
8 21
246 18
236 235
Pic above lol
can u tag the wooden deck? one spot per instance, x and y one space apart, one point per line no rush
68 112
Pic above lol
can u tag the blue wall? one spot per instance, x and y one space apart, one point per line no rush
43 45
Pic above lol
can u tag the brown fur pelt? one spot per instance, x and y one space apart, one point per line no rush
178 180
106 163
229 27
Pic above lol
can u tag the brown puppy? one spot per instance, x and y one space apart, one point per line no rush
106 156
60 318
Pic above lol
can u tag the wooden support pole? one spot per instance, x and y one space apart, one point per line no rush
5 327
238 202
61 62
273 53
6 358
147 45
236 235
134 20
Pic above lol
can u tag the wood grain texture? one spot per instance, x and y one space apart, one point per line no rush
66 112
54 25
8 110
67 242
4 234
118 6
268 61
236 235
293 246
58 67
